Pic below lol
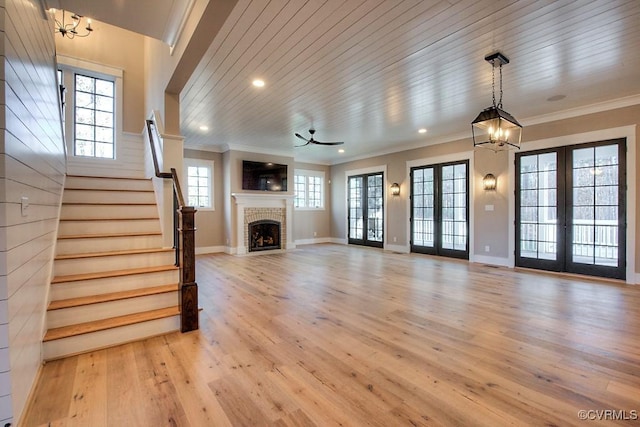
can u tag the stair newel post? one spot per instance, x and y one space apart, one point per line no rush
188 285
187 245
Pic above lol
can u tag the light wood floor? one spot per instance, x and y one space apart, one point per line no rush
338 335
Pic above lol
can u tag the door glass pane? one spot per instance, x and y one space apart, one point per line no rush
454 222
355 208
422 196
538 206
374 208
595 206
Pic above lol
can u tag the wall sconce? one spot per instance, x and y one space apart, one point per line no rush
395 189
489 182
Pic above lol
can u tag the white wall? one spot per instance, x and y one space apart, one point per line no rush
32 165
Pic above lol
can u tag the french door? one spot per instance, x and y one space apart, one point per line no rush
571 209
366 209
440 209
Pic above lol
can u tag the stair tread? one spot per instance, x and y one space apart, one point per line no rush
108 177
111 296
110 323
113 273
114 253
100 235
130 190
108 203
110 219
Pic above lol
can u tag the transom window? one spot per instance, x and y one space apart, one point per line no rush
94 117
199 177
309 189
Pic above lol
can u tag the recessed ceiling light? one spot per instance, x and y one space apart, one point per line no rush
258 83
204 128
341 150
422 130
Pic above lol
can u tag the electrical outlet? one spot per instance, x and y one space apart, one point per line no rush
487 248
395 239
315 233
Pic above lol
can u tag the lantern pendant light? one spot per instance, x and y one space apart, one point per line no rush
494 128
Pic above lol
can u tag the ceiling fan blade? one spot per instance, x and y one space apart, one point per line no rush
328 143
306 143
302 138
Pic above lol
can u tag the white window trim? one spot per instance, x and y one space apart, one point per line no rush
70 66
199 163
311 173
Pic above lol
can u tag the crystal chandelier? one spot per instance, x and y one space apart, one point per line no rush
494 128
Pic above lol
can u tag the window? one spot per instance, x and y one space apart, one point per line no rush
92 110
309 189
94 117
199 180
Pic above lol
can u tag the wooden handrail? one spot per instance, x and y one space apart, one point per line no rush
154 155
183 241
176 187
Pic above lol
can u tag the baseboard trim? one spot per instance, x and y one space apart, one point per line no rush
313 241
338 241
401 249
491 260
210 250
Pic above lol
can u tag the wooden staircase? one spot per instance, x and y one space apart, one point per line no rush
113 281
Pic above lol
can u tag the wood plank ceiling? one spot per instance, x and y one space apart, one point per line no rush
373 72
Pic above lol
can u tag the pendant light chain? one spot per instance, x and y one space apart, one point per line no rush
493 83
500 103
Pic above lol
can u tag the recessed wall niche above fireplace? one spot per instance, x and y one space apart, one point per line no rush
262 214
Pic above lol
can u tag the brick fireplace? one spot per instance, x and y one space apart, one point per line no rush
272 209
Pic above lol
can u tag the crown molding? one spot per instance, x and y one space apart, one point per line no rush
598 107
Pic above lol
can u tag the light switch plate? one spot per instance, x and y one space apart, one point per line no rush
24 205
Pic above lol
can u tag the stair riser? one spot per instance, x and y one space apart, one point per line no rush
105 310
103 227
91 196
64 267
107 244
110 337
108 211
83 288
108 183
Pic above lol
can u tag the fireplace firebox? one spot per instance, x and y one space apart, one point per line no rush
264 235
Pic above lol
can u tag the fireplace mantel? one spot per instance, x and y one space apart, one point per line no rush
248 201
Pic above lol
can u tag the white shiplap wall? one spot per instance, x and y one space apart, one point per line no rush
129 162
32 165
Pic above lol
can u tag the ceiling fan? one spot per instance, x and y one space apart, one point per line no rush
313 141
